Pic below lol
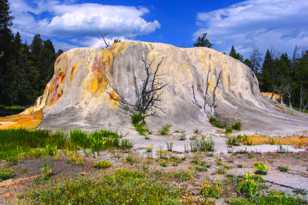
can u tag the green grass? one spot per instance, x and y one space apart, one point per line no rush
260 168
205 144
139 124
6 173
21 144
103 164
122 187
283 168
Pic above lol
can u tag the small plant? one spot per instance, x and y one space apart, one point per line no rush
228 130
103 164
260 168
169 146
233 141
249 185
200 166
237 126
211 189
182 176
149 149
130 159
216 123
165 130
283 168
138 121
51 150
203 145
182 137
46 172
6 173
74 157
125 144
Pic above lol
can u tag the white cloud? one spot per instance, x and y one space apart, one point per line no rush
275 24
84 22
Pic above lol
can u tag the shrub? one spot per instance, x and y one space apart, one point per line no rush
216 122
237 126
211 189
139 123
200 165
46 172
103 164
260 168
165 130
131 160
6 173
228 130
122 187
283 168
249 185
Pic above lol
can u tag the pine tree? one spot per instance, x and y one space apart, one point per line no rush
203 41
235 54
267 72
5 49
255 60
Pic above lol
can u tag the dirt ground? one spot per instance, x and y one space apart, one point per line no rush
219 167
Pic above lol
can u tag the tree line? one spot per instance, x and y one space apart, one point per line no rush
281 74
24 69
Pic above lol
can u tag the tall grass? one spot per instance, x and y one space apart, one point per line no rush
19 144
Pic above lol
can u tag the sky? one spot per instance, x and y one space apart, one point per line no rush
279 25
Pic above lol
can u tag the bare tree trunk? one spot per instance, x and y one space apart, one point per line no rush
209 101
147 95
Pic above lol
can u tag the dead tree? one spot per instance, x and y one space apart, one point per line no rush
208 101
105 41
148 95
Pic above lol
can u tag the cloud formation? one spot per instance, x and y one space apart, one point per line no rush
276 24
80 23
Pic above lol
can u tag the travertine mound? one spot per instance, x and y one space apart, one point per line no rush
87 84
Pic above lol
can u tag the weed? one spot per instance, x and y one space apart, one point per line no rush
6 173
249 185
131 160
233 141
74 157
103 164
228 130
46 172
211 189
165 130
260 168
205 144
125 144
216 122
237 126
182 176
139 123
283 168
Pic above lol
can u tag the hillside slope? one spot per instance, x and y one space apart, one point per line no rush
87 84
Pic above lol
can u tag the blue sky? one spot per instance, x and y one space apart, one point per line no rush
279 25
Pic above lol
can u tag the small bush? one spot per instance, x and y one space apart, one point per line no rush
237 126
211 189
103 164
169 146
228 130
165 130
131 160
216 122
249 185
283 168
260 168
6 173
139 123
200 166
46 172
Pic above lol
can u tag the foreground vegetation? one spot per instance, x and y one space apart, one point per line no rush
21 144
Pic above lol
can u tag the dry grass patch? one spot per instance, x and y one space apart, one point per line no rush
298 141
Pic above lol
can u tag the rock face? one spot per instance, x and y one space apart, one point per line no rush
87 84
